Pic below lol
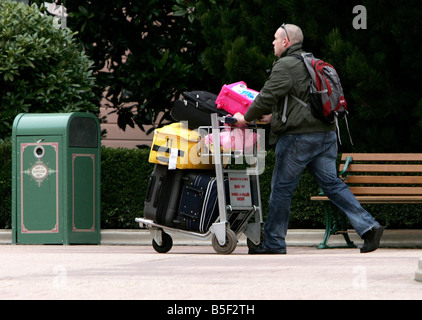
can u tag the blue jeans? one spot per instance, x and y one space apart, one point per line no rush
317 152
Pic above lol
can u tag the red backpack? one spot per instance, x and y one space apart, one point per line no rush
326 93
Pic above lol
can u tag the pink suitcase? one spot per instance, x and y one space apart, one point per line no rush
235 97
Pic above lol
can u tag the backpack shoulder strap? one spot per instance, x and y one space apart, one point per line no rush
284 117
286 99
303 56
303 103
297 56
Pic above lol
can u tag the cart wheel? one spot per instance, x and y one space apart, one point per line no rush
252 245
231 243
167 243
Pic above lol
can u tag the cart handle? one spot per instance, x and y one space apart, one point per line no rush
229 120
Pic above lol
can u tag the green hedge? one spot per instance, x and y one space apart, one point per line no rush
5 185
124 179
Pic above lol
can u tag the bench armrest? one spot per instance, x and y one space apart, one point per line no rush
343 173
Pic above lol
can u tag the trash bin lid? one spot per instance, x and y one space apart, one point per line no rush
45 123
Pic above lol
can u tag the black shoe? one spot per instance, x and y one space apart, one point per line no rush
372 239
263 250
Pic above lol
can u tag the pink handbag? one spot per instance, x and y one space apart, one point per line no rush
235 139
235 97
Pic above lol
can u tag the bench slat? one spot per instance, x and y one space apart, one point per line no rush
387 190
378 199
383 156
383 167
384 179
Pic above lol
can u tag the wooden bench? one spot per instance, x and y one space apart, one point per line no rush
374 178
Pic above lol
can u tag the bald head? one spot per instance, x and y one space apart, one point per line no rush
286 36
294 32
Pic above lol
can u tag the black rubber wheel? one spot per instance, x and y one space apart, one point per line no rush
231 243
166 243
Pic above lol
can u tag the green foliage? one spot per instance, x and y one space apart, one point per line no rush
5 185
144 54
42 68
236 32
124 179
379 66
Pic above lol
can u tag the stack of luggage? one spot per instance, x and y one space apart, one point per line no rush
182 189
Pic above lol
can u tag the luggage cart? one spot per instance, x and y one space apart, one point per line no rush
242 212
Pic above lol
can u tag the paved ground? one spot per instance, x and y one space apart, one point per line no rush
197 272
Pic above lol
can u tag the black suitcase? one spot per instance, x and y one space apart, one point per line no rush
195 107
198 207
163 195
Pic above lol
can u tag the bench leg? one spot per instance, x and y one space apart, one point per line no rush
349 242
334 224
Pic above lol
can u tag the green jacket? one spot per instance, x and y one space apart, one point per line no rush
289 76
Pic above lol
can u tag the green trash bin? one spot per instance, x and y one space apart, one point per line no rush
56 178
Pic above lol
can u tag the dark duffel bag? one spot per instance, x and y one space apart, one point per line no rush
196 107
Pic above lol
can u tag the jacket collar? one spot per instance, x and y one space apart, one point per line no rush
290 50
